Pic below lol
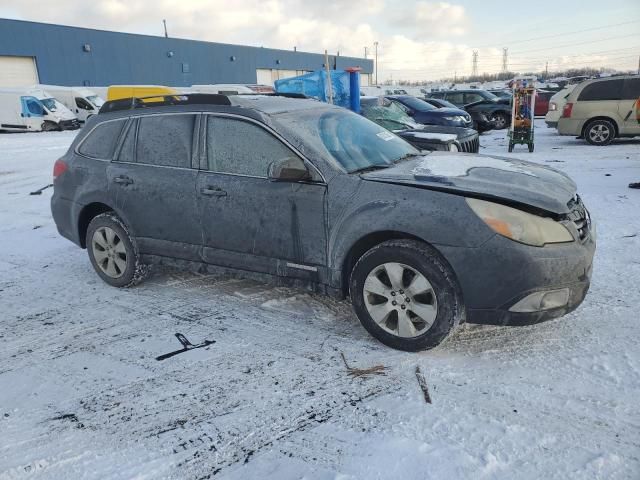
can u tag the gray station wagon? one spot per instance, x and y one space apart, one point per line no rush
317 196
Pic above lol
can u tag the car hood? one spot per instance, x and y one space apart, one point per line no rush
438 133
494 178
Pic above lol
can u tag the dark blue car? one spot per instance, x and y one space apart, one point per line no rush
427 114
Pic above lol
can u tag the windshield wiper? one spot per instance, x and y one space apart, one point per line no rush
407 156
370 168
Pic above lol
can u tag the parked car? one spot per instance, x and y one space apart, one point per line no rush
424 137
119 92
602 109
478 100
542 102
480 121
425 113
33 110
556 105
418 242
80 100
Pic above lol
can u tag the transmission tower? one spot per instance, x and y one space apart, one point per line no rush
505 56
474 68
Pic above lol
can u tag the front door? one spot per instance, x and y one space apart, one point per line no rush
152 183
32 114
249 221
629 106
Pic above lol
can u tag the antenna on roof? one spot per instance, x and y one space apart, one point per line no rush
164 22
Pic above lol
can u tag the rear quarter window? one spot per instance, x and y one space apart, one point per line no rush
102 140
607 90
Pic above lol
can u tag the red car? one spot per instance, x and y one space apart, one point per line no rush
542 102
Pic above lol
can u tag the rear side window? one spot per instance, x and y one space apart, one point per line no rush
101 142
631 89
165 140
242 148
472 97
607 90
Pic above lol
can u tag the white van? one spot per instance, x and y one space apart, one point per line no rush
33 110
80 100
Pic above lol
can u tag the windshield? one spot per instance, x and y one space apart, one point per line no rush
96 100
353 141
416 104
50 104
446 104
390 116
490 96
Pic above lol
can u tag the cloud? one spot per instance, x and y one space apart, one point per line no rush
433 19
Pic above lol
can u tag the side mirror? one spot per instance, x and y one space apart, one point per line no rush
290 169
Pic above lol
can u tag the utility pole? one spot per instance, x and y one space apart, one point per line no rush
166 35
505 56
638 65
365 52
546 70
376 45
474 67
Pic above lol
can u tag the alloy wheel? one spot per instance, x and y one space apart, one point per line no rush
109 252
400 300
599 133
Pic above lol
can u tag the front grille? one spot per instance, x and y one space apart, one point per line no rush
579 216
470 145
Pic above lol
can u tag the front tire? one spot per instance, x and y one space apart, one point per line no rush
599 132
406 295
113 252
501 121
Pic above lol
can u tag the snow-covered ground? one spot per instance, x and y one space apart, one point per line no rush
82 396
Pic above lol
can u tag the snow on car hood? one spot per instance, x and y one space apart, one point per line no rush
497 178
443 137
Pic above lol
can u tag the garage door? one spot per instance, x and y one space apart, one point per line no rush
18 71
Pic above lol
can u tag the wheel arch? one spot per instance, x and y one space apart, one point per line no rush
367 242
88 213
600 117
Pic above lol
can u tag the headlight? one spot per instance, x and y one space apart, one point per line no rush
455 118
520 226
453 147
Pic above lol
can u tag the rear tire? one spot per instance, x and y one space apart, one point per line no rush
113 252
406 295
599 132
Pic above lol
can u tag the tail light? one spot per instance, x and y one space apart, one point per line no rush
59 168
566 111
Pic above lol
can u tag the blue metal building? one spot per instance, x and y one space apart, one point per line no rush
61 55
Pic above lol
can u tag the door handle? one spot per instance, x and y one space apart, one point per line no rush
213 191
123 180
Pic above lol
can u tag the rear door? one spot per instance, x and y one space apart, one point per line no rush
152 182
249 221
630 106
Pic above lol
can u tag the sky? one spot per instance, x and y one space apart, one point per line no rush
417 40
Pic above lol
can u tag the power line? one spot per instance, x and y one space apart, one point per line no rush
535 39
574 44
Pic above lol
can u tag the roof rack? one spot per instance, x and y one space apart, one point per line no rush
161 100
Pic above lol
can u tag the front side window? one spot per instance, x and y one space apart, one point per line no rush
606 90
165 140
472 97
631 89
102 140
83 104
242 148
34 107
456 98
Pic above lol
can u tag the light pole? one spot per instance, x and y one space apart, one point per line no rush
376 45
